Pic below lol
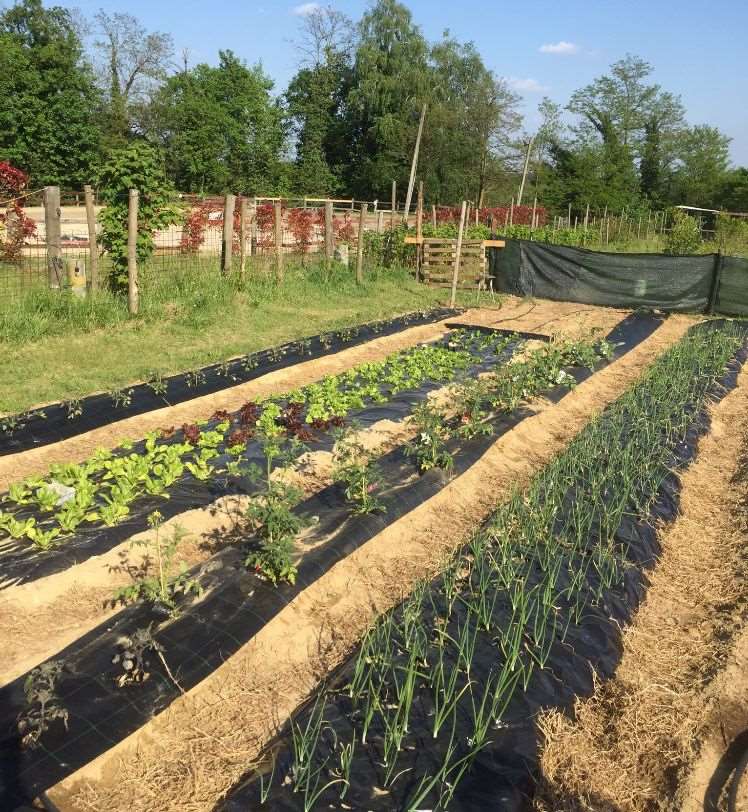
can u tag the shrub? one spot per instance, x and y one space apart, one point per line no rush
684 237
136 166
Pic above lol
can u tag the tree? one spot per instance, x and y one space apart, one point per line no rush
734 194
324 30
389 86
702 164
635 121
315 101
471 118
48 100
622 103
135 60
219 128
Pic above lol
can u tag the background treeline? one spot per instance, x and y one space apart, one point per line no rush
74 91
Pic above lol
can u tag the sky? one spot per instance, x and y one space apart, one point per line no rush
697 48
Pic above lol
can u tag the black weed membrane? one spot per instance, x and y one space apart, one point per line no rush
101 709
22 562
437 708
58 421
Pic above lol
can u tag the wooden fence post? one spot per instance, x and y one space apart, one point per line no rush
253 229
279 239
419 230
413 166
380 221
242 236
52 229
227 245
360 254
329 241
133 296
458 251
433 215
511 213
394 204
93 246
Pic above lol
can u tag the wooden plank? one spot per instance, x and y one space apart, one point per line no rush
494 243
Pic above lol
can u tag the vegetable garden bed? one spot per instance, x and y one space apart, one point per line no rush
57 421
219 609
437 706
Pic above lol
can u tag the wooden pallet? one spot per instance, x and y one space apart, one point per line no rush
438 260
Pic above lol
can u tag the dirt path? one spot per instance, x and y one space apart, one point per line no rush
634 741
190 755
515 314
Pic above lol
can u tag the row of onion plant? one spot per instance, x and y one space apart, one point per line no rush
432 685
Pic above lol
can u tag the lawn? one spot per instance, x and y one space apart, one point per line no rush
57 348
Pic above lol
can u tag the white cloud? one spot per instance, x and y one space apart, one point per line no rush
526 85
305 9
563 48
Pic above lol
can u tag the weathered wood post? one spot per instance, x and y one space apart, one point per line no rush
253 229
279 240
242 236
394 204
433 215
329 241
360 247
133 294
419 230
413 166
93 245
52 228
458 251
227 244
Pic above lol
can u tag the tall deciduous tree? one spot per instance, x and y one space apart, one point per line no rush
316 98
219 127
634 121
48 100
703 160
472 117
390 83
134 62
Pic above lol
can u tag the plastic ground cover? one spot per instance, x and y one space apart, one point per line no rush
59 421
503 775
21 562
236 606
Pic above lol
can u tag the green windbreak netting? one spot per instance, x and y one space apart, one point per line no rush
732 291
619 280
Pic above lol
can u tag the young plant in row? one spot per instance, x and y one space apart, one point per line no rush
355 469
161 587
270 513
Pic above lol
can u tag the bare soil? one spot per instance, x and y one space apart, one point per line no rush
652 737
190 755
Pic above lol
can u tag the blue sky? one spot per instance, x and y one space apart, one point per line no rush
698 48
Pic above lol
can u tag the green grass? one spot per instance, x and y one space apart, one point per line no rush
58 348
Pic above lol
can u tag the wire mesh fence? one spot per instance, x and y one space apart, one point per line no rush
264 240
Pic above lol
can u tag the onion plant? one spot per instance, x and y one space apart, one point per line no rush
445 665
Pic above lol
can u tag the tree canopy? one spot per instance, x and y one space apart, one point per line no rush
346 123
